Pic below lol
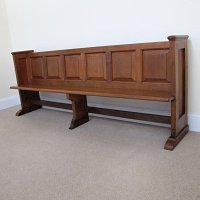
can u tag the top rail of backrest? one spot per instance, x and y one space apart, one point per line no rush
122 47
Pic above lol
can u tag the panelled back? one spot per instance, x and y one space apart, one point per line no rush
133 66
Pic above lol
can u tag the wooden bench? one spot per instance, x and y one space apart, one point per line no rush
148 71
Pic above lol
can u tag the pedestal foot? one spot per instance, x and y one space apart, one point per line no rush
172 142
80 110
76 123
27 110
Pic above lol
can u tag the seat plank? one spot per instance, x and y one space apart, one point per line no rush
112 92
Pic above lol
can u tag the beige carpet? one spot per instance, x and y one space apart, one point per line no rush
40 159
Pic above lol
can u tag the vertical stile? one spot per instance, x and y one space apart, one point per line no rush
44 58
29 72
139 65
62 63
83 67
108 66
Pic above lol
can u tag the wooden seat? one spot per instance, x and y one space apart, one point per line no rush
155 71
111 92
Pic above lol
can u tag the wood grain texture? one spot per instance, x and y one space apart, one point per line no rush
37 68
73 67
124 66
27 99
80 110
23 72
112 92
96 66
110 112
179 63
155 71
173 141
54 67
155 66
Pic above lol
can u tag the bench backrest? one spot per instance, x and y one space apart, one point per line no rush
158 66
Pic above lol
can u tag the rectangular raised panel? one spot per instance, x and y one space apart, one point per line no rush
72 67
155 66
181 81
54 68
96 66
22 71
37 68
123 66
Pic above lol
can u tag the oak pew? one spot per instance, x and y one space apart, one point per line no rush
155 71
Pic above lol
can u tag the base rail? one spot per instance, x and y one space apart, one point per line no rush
110 112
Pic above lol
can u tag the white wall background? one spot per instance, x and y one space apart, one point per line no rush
48 25
7 76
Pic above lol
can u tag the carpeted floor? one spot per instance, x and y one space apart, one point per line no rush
40 159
